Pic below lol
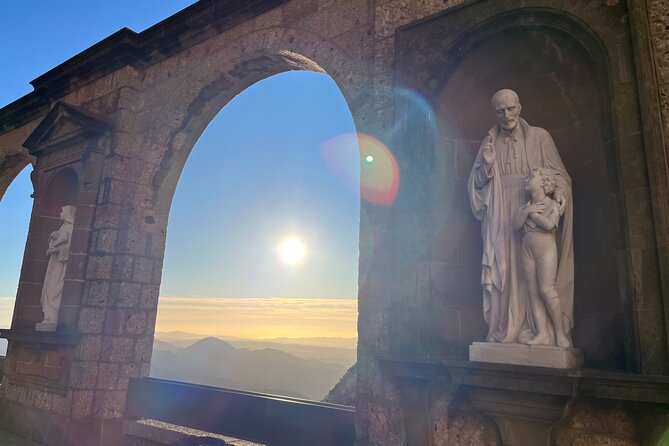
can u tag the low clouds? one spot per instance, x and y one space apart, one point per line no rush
250 318
259 318
6 311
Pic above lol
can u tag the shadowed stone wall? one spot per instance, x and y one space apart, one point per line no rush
168 84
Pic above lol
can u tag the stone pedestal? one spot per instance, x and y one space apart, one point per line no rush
530 355
45 326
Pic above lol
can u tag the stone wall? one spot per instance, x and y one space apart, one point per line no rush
161 104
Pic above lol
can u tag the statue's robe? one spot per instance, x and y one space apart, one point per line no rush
495 196
54 279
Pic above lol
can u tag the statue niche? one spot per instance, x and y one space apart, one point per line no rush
527 276
58 250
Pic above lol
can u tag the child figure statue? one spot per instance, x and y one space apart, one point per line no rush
538 220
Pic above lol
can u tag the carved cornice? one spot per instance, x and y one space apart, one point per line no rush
64 125
193 25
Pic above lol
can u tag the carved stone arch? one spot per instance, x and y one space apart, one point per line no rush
525 18
232 68
13 156
10 168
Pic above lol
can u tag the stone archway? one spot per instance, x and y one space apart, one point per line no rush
130 109
130 172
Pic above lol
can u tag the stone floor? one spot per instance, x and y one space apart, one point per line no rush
7 439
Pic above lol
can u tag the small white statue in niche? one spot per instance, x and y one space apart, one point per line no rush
52 290
537 220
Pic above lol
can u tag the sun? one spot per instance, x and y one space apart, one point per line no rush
291 250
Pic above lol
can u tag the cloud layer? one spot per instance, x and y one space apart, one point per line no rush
250 318
259 318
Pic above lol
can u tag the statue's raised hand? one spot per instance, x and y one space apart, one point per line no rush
489 154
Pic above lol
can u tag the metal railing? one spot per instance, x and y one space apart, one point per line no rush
269 419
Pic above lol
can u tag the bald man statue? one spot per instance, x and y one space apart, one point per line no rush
496 190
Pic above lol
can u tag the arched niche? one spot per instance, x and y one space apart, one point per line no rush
570 85
61 188
563 90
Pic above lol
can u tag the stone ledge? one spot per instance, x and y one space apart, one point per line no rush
605 384
40 337
158 432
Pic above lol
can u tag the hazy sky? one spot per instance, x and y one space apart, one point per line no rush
276 161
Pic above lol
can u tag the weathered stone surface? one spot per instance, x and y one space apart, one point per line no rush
392 14
99 267
464 430
337 18
116 348
150 294
83 374
344 391
151 105
125 372
109 404
105 241
89 348
136 322
143 348
598 423
62 404
96 294
387 426
661 46
82 403
91 320
125 294
143 270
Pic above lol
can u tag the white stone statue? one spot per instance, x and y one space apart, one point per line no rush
516 289
52 290
537 221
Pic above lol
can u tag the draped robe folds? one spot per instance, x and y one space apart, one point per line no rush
495 196
59 247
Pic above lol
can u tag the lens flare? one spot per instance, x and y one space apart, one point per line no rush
352 154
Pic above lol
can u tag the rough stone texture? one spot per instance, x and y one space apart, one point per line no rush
147 432
416 256
453 422
82 403
598 423
344 391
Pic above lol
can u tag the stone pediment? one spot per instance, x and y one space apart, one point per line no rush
64 125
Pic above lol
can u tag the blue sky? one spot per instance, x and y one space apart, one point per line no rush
256 175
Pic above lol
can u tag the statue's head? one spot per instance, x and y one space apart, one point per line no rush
506 105
541 177
67 213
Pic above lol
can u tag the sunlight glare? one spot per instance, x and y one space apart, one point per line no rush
291 250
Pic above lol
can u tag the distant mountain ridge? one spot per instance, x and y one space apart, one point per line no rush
175 337
215 362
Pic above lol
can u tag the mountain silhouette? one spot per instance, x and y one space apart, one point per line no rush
214 362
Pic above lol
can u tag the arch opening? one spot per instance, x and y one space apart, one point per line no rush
266 174
15 208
